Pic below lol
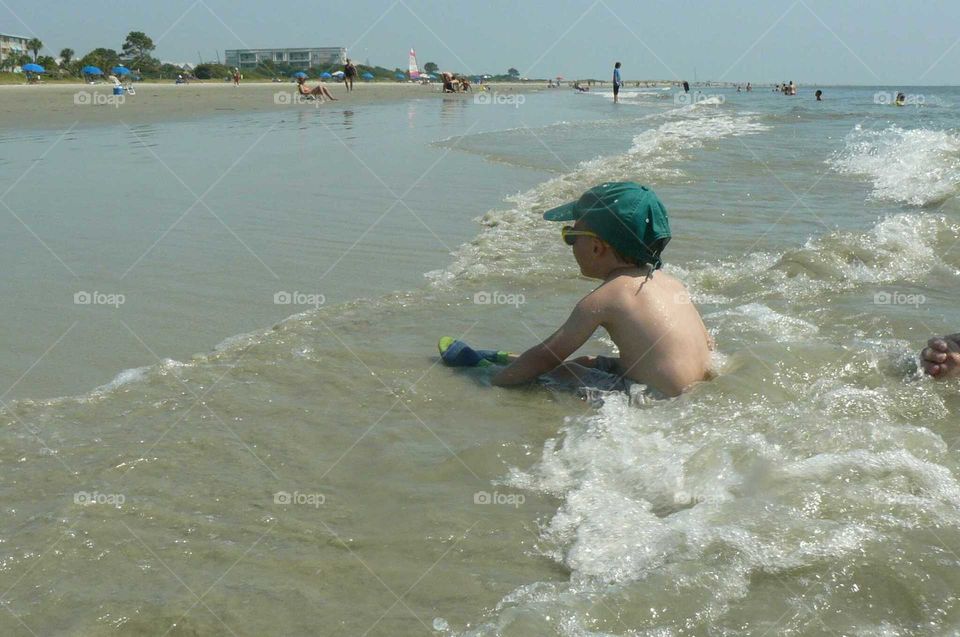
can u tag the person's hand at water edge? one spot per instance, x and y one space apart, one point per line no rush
941 357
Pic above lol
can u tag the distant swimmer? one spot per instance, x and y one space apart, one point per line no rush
617 82
819 95
749 87
901 99
686 86
941 357
619 233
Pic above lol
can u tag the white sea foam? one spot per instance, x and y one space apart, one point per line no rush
513 239
903 248
704 494
919 167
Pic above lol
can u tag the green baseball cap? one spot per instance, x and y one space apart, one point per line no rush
628 216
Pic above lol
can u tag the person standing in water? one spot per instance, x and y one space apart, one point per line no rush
617 82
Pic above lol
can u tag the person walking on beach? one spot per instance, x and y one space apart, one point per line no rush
617 82
349 72
236 77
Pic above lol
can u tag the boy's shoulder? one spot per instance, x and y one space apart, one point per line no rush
640 287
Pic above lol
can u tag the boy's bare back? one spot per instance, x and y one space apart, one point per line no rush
662 340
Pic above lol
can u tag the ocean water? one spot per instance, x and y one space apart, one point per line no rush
207 457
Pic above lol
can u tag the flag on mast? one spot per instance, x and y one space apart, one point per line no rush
414 70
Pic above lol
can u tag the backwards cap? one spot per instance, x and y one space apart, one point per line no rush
628 216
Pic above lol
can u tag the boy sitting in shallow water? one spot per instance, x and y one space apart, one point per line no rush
620 230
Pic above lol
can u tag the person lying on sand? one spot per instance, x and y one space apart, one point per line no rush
620 231
941 357
317 91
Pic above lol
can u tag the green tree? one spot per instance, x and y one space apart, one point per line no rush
66 57
47 62
106 59
209 71
512 72
22 59
137 47
34 44
430 67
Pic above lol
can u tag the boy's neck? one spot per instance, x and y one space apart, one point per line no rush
618 270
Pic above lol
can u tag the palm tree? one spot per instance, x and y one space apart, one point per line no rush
66 56
34 44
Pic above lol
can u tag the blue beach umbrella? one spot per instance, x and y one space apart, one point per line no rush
32 68
299 74
120 70
367 76
325 75
401 76
91 70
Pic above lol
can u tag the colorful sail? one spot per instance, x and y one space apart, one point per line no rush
414 69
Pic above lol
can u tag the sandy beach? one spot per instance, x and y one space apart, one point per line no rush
62 105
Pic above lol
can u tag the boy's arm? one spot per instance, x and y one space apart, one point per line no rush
540 359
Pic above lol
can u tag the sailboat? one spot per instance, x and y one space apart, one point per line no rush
413 68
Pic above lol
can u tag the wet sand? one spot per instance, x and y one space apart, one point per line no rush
56 106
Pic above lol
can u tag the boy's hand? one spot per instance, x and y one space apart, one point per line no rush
941 357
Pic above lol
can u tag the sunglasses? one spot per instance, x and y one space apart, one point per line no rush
570 235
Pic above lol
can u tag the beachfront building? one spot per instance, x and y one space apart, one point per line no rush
298 58
11 45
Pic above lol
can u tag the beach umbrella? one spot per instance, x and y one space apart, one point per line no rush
338 73
91 70
432 76
401 76
325 75
367 76
120 70
32 68
299 74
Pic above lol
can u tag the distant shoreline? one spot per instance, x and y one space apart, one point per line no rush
62 105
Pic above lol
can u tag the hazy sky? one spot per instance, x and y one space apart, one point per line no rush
828 41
